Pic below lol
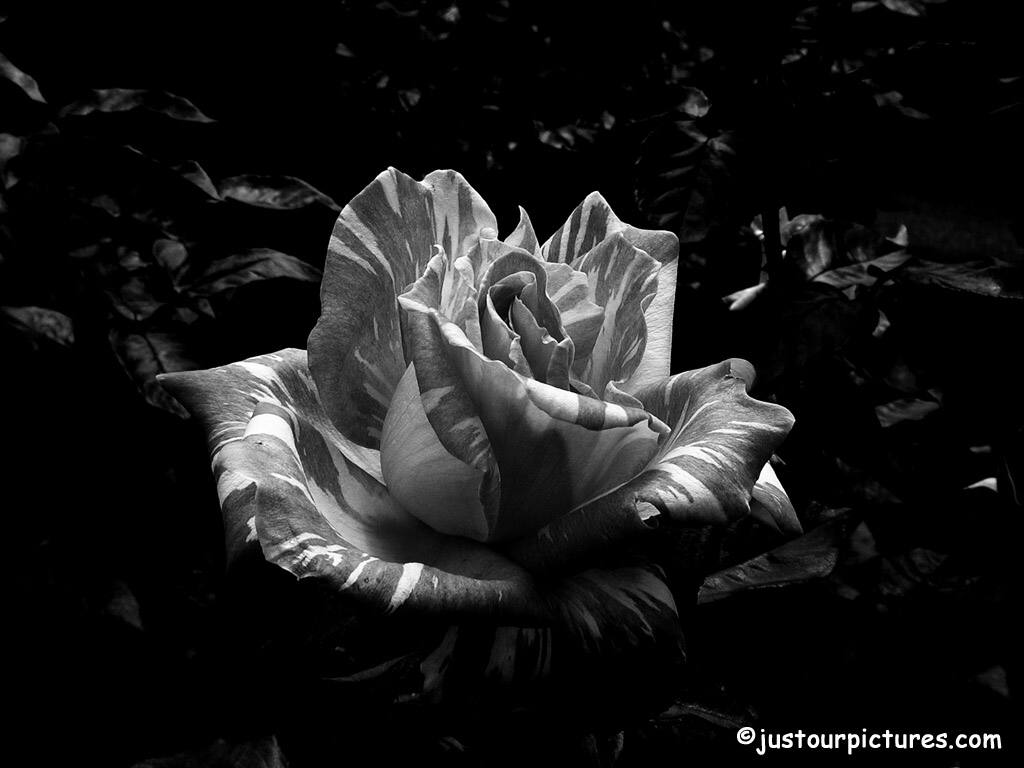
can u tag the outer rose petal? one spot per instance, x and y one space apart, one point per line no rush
523 235
288 487
622 279
655 364
705 473
382 241
593 221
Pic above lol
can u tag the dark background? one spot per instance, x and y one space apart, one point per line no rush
142 237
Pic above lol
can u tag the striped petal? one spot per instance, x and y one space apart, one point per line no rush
705 473
594 221
721 439
656 358
771 506
555 449
292 487
382 241
569 291
523 236
622 280
290 483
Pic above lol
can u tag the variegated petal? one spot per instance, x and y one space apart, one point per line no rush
770 504
288 485
555 449
622 280
569 291
704 473
655 363
523 236
721 439
381 243
592 222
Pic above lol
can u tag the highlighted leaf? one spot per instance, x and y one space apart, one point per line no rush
112 100
253 265
276 192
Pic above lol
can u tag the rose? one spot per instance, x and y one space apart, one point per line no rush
482 422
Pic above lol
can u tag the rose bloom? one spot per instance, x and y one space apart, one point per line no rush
485 430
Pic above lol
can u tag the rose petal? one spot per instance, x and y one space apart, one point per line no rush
703 474
450 290
655 363
622 280
433 417
382 241
592 222
569 291
549 360
523 235
770 504
517 271
286 479
555 449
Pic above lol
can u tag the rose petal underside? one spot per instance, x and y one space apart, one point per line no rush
382 241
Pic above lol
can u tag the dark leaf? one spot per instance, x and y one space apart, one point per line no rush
906 7
128 99
258 753
171 255
978 277
696 103
10 147
256 264
905 409
865 273
685 180
133 297
41 323
26 82
812 556
277 192
146 354
189 170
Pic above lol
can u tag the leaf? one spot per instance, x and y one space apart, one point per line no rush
171 255
133 298
978 277
813 556
112 100
189 170
147 354
42 323
249 266
10 147
864 273
905 409
696 104
258 753
684 179
26 82
277 192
